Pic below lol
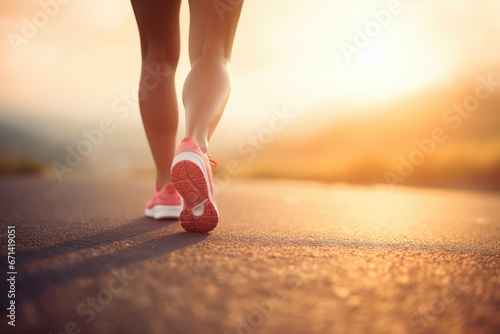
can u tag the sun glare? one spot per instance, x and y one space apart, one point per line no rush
404 59
295 57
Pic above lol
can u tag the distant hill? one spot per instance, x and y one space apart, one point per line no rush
361 148
28 141
366 145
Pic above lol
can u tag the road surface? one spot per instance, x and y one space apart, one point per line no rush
287 257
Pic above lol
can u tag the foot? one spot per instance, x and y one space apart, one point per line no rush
192 177
164 204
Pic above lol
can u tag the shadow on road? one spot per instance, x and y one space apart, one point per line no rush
34 284
132 229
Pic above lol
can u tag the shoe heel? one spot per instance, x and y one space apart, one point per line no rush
199 213
201 224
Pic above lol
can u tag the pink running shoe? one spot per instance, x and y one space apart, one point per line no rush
164 204
192 177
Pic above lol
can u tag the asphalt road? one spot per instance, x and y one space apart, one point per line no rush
287 257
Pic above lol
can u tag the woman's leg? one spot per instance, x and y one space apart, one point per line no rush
158 22
207 86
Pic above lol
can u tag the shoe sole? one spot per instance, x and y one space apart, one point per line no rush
190 178
164 212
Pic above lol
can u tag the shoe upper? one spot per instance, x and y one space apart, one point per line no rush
167 196
188 144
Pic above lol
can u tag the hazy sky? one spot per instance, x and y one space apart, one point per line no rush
287 53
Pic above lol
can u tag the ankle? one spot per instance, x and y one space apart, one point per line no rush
162 181
202 142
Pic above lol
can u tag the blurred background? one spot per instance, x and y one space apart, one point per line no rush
329 90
